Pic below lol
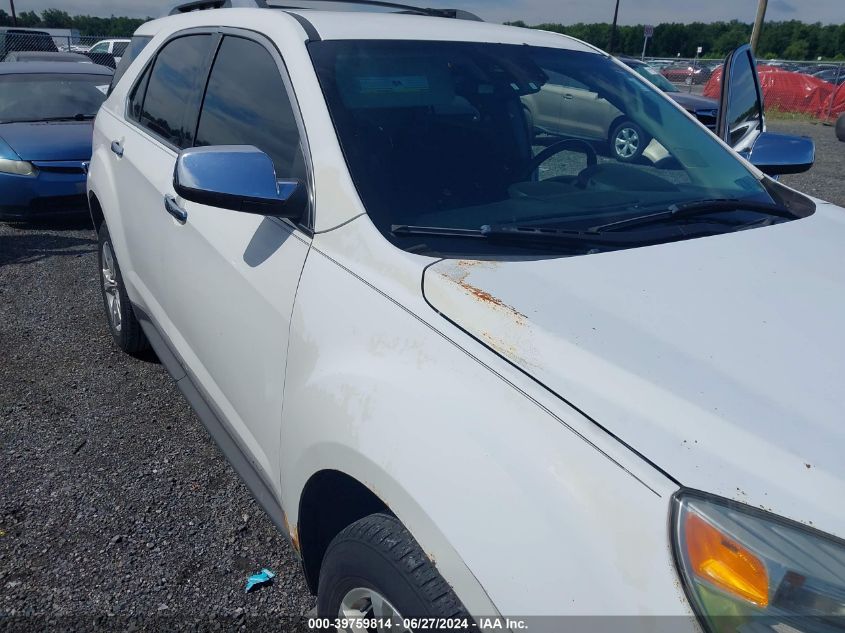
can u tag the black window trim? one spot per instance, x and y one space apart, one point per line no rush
306 226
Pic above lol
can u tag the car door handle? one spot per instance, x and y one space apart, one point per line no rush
568 96
117 148
173 208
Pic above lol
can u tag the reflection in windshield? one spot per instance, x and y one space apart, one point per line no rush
744 115
447 134
654 76
38 97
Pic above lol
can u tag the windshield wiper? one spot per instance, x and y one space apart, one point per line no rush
73 117
696 208
544 235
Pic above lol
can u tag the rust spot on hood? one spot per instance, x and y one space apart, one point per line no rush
483 295
458 273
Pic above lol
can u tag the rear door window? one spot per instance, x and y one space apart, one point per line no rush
246 103
133 49
173 89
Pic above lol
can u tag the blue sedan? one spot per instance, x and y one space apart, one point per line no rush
46 124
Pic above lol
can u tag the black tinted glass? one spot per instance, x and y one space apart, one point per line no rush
246 104
136 98
465 135
129 52
173 87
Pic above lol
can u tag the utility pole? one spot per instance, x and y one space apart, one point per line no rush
14 17
758 24
613 29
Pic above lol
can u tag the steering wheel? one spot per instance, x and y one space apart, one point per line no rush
557 148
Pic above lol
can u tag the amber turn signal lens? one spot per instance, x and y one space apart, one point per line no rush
723 562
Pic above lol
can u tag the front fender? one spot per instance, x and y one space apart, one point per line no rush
522 505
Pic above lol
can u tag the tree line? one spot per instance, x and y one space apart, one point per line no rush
85 24
779 40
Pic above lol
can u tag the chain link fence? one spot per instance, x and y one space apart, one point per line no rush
812 90
23 45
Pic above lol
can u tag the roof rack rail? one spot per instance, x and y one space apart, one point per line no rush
459 14
200 5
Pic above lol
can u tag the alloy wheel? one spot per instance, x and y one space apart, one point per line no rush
626 143
111 287
363 604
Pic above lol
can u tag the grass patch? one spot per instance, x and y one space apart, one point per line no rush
786 115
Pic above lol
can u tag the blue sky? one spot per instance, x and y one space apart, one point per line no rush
532 11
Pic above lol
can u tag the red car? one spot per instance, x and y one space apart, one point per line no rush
687 73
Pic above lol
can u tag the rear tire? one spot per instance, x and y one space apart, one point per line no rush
375 569
840 128
123 324
628 141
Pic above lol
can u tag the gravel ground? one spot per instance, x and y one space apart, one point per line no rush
116 508
114 501
826 180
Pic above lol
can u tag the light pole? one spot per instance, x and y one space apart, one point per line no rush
613 29
758 24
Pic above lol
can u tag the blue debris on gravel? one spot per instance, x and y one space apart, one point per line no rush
261 579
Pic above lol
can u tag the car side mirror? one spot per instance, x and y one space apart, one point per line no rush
778 154
741 122
237 177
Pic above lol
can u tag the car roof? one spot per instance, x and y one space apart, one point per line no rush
368 25
48 55
22 29
57 68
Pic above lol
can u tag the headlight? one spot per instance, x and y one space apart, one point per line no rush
18 167
748 571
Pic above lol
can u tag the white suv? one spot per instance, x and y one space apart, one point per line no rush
472 372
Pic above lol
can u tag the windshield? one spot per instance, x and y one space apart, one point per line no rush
460 136
38 97
654 76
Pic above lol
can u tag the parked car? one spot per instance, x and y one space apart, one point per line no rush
687 73
46 56
840 127
467 379
23 39
568 107
835 76
46 113
114 47
103 59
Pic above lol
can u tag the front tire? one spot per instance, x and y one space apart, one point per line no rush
123 324
840 128
628 141
374 569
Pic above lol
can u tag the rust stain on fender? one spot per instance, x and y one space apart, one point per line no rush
294 539
293 534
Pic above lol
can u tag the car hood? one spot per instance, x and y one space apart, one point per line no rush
693 102
719 359
55 140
